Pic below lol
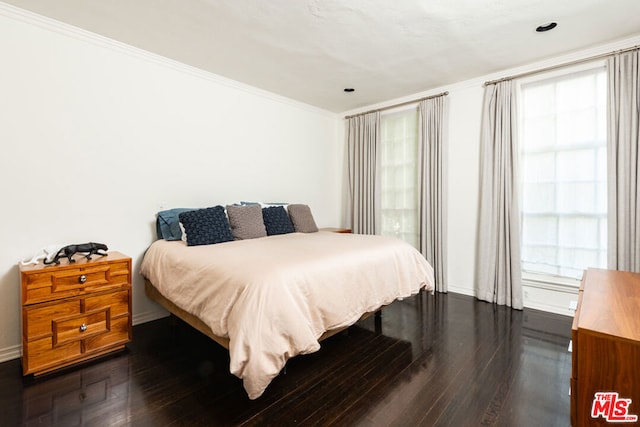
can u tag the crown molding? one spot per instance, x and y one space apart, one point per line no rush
58 27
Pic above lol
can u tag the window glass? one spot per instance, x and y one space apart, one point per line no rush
564 200
399 176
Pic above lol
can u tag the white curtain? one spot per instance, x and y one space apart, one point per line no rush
498 271
363 140
432 206
623 155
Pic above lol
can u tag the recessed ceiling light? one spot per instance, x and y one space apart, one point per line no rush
546 27
349 89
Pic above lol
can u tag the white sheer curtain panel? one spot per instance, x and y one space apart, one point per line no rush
432 206
623 161
363 140
498 271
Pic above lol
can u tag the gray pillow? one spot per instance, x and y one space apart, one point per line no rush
246 221
302 219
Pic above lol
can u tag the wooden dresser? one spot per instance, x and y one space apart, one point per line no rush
606 344
73 312
337 230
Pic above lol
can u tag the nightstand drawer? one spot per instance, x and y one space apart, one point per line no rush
43 356
71 329
80 326
72 280
42 320
118 334
117 302
68 282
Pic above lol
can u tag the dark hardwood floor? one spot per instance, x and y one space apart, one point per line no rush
445 360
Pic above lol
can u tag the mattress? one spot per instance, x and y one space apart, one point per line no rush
274 296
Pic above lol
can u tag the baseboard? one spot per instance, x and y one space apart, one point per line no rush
549 308
460 290
552 298
10 353
149 316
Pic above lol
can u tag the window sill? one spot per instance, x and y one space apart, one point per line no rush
553 283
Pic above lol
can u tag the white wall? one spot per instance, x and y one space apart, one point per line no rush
96 136
465 111
465 103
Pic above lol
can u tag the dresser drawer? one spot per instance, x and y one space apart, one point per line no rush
80 326
62 332
59 283
118 334
42 356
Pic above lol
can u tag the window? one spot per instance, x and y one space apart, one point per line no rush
399 176
564 187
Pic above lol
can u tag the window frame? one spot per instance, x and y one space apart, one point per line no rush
530 277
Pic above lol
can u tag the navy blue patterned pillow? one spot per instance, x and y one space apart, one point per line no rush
206 226
276 220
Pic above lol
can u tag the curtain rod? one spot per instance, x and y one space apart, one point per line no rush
388 107
568 64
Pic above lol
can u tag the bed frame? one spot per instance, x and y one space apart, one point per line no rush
198 324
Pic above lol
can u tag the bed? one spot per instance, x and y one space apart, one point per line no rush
271 298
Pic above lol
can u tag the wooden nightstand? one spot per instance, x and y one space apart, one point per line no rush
336 229
73 312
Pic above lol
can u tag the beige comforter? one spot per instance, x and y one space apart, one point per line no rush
273 297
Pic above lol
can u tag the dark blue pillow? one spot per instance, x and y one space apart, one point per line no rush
206 226
276 220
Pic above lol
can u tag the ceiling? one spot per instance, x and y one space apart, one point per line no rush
310 50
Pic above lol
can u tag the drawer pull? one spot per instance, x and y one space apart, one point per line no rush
82 279
83 327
